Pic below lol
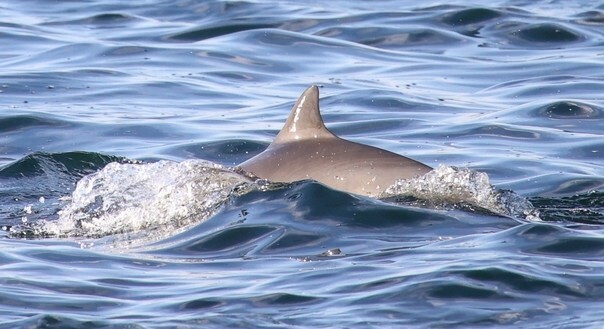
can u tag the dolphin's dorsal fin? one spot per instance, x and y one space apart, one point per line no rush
304 121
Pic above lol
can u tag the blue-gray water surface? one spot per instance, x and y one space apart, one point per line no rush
513 89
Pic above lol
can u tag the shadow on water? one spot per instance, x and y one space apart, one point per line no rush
581 208
309 220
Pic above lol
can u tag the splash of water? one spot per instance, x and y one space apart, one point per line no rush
124 198
451 185
166 196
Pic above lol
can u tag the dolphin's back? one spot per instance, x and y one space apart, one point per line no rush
337 163
306 149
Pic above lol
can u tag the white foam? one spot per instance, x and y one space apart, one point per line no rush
453 185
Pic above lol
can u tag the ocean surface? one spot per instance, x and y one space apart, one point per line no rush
122 123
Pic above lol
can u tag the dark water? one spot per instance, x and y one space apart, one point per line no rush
513 89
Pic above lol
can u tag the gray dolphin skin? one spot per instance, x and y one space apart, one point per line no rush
306 149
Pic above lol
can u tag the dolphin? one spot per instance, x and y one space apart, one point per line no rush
306 149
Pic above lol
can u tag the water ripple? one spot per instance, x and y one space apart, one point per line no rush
510 89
